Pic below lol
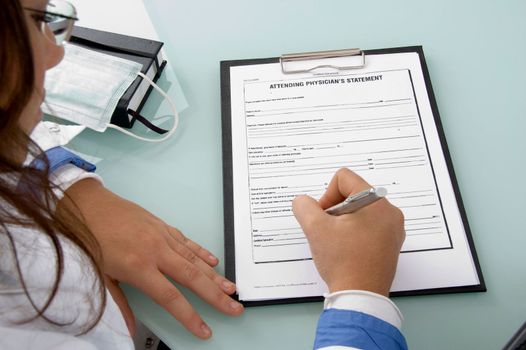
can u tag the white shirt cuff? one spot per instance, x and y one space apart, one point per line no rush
370 303
67 175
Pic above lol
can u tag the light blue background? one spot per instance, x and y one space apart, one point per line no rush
475 52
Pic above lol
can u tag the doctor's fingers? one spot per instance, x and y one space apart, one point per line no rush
203 253
164 293
191 256
190 276
343 183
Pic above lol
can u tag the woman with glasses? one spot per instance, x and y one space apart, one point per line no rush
66 243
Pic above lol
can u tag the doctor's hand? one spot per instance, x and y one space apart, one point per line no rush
142 250
357 250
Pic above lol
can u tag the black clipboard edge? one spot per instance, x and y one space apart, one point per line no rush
228 195
228 199
226 138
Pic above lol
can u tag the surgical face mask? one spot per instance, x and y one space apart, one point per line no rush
87 85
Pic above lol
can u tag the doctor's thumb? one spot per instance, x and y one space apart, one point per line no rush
308 212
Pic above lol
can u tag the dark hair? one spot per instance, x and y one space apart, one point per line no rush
27 199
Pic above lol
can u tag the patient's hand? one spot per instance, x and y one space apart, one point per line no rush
142 250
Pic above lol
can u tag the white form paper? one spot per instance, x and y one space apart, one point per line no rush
290 133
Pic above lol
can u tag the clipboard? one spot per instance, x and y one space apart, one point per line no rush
360 60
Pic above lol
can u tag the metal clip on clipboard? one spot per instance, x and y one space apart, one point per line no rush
319 55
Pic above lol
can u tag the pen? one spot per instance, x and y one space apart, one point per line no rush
357 201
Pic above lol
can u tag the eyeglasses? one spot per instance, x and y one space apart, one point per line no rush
57 20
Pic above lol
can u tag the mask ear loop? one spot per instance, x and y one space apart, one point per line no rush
172 104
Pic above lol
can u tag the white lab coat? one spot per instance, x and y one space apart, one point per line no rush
74 304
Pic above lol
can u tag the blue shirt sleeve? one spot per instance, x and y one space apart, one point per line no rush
59 156
356 329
